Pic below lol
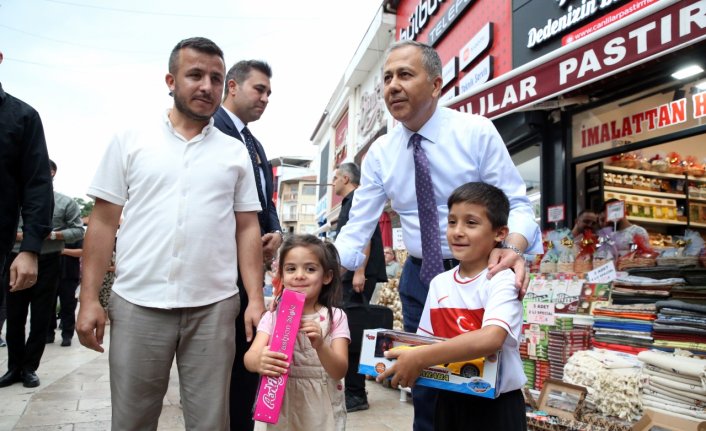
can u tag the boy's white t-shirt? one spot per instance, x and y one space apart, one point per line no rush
456 305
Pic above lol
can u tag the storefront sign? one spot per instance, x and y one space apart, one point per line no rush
455 10
341 140
616 15
476 46
449 72
555 213
420 18
673 27
652 119
478 75
372 110
572 16
541 313
453 92
636 119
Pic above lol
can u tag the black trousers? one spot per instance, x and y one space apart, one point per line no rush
243 383
3 308
25 354
456 411
355 383
66 294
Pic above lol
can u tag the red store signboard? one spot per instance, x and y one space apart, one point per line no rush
675 26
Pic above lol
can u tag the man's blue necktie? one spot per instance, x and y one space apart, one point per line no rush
432 262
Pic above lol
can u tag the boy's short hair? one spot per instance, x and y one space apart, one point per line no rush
497 206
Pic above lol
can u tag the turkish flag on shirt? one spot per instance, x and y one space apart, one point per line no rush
450 322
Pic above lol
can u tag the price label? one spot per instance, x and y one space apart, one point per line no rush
615 211
555 213
397 242
541 313
603 274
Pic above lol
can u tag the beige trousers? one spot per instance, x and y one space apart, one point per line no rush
143 344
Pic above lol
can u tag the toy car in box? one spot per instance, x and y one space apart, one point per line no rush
474 377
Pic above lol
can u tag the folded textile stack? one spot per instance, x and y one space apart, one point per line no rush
565 339
612 380
633 289
623 328
680 325
674 383
694 294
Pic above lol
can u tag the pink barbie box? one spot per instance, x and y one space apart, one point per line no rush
287 320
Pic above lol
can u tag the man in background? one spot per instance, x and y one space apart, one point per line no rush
24 355
69 278
358 285
26 190
586 219
245 97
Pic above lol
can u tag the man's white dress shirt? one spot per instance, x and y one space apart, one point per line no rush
176 245
461 148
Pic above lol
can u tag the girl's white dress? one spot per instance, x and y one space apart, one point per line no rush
312 399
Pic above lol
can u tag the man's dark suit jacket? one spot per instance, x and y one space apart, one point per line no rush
244 384
223 122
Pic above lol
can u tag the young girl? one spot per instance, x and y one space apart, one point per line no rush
314 397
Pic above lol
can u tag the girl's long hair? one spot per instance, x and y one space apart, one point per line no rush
331 294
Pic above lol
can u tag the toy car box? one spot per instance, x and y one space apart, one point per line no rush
475 377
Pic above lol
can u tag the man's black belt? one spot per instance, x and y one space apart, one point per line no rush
448 263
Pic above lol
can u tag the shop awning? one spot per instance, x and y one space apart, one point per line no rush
661 28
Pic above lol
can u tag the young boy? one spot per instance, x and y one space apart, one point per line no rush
479 316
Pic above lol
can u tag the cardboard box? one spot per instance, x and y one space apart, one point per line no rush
477 377
271 393
665 420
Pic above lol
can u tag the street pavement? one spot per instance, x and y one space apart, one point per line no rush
74 395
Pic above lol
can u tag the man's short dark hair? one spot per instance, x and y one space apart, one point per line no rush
241 71
430 58
352 171
52 165
497 206
200 44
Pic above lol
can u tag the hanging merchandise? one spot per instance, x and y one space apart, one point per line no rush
642 255
685 252
587 247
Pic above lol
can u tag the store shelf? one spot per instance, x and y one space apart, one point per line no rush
697 199
697 179
641 172
657 221
697 224
644 192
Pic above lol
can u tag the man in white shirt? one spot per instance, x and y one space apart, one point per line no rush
189 205
460 148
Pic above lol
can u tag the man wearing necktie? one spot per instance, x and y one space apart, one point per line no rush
444 149
245 98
